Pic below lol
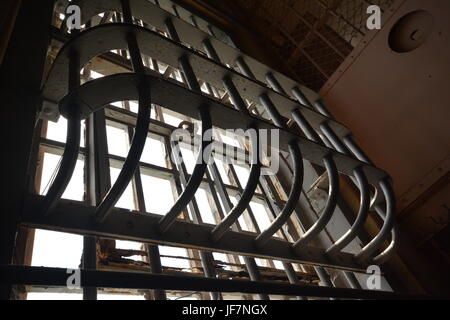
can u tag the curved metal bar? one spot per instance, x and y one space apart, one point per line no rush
363 212
249 190
327 213
304 125
356 150
390 250
333 138
196 178
294 197
70 155
68 163
388 224
274 83
300 96
133 157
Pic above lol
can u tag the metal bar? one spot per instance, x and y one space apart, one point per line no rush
194 181
294 150
333 191
132 160
361 217
300 96
255 275
96 94
221 229
98 184
41 276
205 68
205 257
156 268
244 68
123 224
389 217
273 82
171 31
210 51
235 97
140 135
388 225
69 158
293 198
152 250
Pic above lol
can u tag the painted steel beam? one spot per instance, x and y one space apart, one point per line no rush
75 217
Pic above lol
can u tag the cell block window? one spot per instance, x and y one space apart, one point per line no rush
173 257
203 204
117 136
57 131
158 194
261 213
57 249
127 200
75 188
154 151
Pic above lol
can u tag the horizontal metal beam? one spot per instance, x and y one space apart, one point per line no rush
76 217
42 276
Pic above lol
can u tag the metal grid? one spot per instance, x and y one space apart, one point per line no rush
100 219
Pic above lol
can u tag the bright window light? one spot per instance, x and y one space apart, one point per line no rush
57 131
117 141
75 188
173 262
157 193
188 157
154 151
223 173
53 296
204 207
126 201
57 249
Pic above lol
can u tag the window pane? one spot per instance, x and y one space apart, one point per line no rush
57 249
127 199
117 141
204 207
173 262
154 151
157 194
75 188
57 131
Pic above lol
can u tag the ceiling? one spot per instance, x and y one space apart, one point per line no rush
310 37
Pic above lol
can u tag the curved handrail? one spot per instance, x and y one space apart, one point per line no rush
293 198
197 175
327 212
361 217
388 225
249 190
134 154
70 155
67 164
